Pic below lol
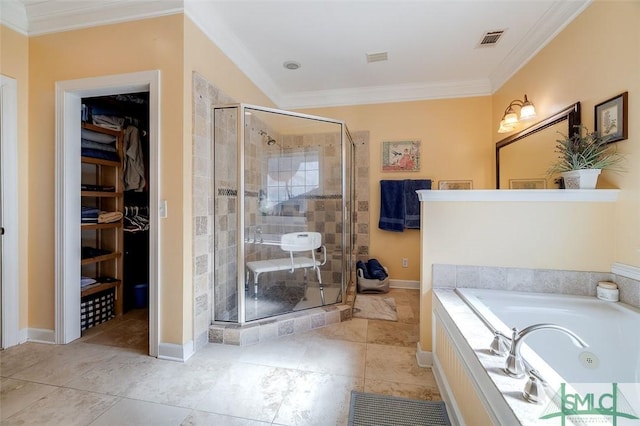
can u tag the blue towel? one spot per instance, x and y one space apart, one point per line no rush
412 202
376 270
365 271
391 205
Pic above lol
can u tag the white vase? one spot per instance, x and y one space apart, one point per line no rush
581 179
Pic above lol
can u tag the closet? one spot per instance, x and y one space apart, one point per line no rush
115 207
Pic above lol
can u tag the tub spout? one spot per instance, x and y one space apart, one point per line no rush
515 366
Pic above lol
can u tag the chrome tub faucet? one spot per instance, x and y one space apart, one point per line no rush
514 366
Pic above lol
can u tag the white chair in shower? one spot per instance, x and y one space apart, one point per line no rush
301 247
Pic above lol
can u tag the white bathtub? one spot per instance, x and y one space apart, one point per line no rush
612 331
469 376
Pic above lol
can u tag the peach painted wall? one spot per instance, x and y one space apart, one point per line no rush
205 58
14 63
456 144
594 58
152 44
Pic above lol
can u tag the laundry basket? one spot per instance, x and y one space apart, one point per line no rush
372 285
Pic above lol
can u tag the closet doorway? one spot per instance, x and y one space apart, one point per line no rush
115 223
131 100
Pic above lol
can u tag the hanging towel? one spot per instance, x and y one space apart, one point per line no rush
391 205
412 202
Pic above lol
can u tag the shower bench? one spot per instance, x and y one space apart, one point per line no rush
293 242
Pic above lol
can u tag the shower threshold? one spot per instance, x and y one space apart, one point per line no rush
283 325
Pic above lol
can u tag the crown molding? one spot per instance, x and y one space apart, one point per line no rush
14 15
204 17
557 17
386 94
40 18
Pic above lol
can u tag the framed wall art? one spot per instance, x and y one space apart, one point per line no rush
401 156
611 118
455 184
527 183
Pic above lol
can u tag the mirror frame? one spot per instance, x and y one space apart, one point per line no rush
570 113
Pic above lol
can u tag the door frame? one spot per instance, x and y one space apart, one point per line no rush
10 212
67 212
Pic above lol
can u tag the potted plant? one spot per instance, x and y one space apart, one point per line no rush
582 156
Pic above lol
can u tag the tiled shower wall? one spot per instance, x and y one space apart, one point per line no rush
219 255
206 251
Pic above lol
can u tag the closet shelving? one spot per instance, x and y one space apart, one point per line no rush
106 238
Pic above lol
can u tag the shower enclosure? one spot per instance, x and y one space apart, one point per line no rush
280 177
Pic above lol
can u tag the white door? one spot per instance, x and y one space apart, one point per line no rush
9 250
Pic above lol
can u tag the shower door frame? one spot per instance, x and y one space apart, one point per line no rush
347 245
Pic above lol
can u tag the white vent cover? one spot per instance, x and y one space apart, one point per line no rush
377 57
490 38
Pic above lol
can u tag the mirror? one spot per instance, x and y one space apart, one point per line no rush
523 158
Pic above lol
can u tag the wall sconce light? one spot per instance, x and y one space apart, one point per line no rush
510 118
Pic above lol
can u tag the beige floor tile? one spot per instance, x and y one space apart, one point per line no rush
197 418
247 390
334 357
427 391
393 333
394 364
63 407
175 383
317 399
304 379
16 395
130 333
65 362
22 356
117 375
352 331
129 412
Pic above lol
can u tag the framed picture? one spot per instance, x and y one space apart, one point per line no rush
401 156
455 184
527 183
611 118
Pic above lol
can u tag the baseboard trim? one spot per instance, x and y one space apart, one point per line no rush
173 352
39 335
424 358
627 271
411 285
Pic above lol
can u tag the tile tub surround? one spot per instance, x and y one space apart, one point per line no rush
576 283
502 393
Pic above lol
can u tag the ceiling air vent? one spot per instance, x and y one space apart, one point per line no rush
377 57
490 38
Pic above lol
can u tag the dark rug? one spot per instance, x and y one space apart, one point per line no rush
368 409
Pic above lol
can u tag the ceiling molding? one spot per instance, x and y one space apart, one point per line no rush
386 94
559 15
34 17
14 15
205 17
52 17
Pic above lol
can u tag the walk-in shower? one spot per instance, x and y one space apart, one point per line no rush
283 212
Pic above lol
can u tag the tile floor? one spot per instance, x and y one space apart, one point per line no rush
306 379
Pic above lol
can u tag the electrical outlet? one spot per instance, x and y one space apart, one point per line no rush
405 262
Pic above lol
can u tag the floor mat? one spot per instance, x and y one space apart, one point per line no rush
375 307
367 409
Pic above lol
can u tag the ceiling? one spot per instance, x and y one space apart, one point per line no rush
432 45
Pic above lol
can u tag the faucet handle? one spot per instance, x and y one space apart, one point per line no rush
500 345
534 388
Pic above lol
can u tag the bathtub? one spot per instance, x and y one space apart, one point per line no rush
464 321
